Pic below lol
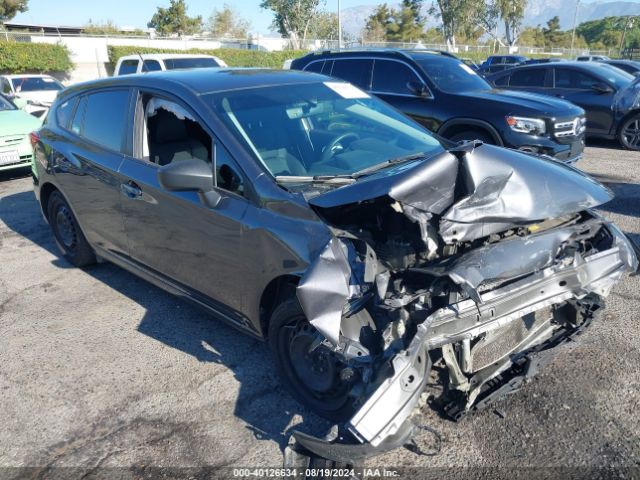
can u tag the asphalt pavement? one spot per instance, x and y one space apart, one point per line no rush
100 369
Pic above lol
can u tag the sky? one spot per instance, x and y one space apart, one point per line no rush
136 13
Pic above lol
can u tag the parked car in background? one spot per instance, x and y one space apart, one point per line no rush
535 61
610 96
591 58
448 97
470 63
15 127
629 66
364 249
499 63
153 62
38 90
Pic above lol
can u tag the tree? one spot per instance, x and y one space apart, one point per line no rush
511 13
10 8
325 26
228 23
378 24
175 20
456 17
552 34
292 18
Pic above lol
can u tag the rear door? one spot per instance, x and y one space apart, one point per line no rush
576 86
86 162
174 233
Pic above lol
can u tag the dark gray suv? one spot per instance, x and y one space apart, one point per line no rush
371 255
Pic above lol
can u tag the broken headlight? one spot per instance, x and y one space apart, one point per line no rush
532 126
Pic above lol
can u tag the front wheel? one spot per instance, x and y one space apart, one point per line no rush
629 134
67 233
311 375
484 137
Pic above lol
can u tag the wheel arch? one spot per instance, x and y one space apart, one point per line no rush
456 125
276 291
45 193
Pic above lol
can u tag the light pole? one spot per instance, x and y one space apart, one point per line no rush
575 18
339 27
627 24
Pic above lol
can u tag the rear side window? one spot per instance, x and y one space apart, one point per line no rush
529 77
315 67
151 66
105 117
182 63
392 77
64 112
356 71
127 67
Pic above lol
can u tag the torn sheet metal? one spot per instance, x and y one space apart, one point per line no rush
428 185
507 188
508 259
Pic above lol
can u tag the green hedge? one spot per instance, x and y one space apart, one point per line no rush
232 56
22 57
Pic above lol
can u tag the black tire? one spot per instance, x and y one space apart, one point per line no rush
481 135
67 233
629 133
289 332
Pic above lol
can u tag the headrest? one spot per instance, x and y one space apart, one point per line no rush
168 128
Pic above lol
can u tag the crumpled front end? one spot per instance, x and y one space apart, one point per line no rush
468 270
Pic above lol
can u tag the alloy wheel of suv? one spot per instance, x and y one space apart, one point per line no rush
67 233
312 375
629 135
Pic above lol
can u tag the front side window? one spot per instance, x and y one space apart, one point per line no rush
393 77
105 117
528 77
5 104
319 129
170 133
450 74
35 84
127 67
356 71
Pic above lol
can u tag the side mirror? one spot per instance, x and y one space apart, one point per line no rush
601 88
192 175
418 89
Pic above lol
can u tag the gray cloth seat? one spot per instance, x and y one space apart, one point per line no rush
169 140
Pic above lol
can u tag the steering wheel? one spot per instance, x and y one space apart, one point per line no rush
329 150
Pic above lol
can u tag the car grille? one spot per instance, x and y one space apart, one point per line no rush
568 129
504 340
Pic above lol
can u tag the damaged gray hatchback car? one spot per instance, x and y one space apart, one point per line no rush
371 254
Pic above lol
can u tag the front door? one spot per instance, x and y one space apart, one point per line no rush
174 233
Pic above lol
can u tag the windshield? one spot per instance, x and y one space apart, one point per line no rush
34 84
450 74
319 129
180 63
614 75
5 104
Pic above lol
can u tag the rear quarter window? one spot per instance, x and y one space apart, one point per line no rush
64 112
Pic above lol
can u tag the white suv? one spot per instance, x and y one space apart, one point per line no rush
153 62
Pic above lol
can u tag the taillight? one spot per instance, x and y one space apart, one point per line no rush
35 138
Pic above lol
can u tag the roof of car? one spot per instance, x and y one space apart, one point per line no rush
380 51
163 56
201 81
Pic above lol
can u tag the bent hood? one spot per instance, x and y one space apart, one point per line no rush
476 190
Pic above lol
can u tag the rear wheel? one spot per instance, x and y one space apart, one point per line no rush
312 375
629 134
483 136
66 231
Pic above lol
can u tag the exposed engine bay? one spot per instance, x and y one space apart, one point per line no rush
468 270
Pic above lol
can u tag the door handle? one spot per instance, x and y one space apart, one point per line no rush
131 190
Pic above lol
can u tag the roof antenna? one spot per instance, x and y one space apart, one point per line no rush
143 65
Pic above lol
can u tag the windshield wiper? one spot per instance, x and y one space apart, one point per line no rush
388 163
314 179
